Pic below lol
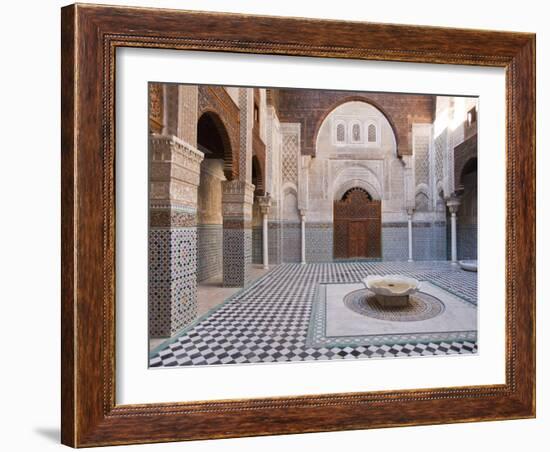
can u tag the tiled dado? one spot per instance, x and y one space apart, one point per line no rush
209 250
395 241
237 198
172 280
291 234
319 242
257 245
274 242
466 241
237 257
429 241
174 177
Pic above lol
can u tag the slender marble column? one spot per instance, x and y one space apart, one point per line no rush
303 234
265 204
453 204
409 220
264 241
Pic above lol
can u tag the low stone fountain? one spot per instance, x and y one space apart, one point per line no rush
469 265
392 290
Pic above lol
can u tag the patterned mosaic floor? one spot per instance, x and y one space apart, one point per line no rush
269 321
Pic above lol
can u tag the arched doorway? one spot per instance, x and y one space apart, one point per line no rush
257 230
357 226
467 213
213 141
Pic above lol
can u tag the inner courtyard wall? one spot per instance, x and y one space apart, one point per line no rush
405 151
309 108
378 169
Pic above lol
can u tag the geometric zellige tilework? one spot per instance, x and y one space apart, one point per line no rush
257 245
172 280
319 238
237 256
291 241
209 251
270 320
466 241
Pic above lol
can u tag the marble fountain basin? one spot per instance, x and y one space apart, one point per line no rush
469 266
391 290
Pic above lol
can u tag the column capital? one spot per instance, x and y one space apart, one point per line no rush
453 203
237 199
302 213
175 170
265 203
237 191
169 148
410 211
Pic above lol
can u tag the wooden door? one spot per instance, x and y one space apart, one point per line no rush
357 226
357 239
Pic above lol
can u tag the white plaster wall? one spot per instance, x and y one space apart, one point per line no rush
451 115
290 206
373 166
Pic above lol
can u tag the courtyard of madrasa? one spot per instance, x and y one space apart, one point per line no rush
269 208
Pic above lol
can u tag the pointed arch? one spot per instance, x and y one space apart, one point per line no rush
357 98
213 139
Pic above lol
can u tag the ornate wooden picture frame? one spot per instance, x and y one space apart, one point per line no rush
90 37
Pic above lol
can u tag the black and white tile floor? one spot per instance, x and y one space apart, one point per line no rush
269 321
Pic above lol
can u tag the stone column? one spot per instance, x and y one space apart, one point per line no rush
237 199
303 235
453 204
174 178
265 204
409 221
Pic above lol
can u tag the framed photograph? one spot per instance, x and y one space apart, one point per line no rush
281 225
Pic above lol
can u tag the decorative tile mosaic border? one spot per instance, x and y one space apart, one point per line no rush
172 280
317 330
269 320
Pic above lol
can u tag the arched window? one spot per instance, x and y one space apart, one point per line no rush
356 132
371 133
340 133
